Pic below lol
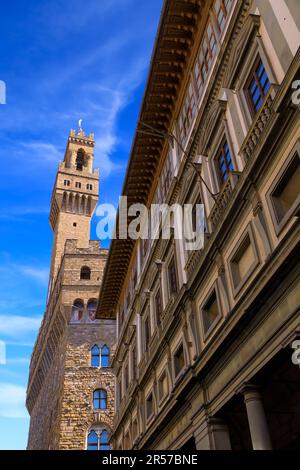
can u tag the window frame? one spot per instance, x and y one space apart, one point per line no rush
95 355
85 273
177 375
147 337
158 314
280 224
162 398
107 355
150 417
253 75
212 328
100 399
171 260
236 281
99 431
221 151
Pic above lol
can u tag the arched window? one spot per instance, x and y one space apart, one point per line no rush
98 439
85 273
92 441
80 160
91 308
100 399
77 311
95 356
104 442
105 356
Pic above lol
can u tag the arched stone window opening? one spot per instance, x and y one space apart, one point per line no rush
105 353
80 159
77 311
98 439
95 356
100 356
91 308
85 273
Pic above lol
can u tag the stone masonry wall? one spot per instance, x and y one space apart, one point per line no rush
80 380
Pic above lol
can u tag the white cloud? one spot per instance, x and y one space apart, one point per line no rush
12 401
38 274
15 326
42 151
20 213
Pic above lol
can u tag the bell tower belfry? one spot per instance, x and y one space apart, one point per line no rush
70 392
74 197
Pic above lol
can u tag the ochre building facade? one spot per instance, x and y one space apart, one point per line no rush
70 395
205 337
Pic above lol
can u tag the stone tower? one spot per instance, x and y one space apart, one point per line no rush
70 394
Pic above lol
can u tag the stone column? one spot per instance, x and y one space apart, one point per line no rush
257 419
212 434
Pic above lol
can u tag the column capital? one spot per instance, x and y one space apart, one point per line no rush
248 389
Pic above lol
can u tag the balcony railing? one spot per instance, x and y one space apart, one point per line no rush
222 200
259 124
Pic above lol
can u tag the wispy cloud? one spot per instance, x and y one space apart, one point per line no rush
15 326
12 399
42 152
38 274
21 213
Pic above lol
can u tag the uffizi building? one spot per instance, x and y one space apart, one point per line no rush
152 345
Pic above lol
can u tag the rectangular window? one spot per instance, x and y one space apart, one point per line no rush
172 277
77 185
66 182
158 306
134 363
198 79
258 85
147 332
126 377
285 196
179 362
225 166
210 311
163 386
244 260
187 113
212 42
149 406
221 13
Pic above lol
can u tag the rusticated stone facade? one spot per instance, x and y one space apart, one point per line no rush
80 379
62 379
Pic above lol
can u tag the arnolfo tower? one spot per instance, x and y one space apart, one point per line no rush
70 395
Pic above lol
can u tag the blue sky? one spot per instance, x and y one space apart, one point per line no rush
61 60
